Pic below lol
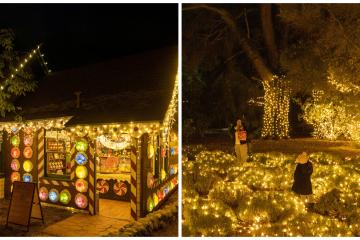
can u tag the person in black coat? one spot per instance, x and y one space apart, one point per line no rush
302 175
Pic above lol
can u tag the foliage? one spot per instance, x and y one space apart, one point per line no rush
257 200
11 84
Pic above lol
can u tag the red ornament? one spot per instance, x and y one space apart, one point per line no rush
28 152
15 152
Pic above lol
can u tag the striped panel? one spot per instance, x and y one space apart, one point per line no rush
41 153
133 200
55 182
72 161
92 182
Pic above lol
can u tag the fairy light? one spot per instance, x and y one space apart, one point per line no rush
276 108
258 202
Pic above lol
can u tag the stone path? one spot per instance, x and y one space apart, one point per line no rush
113 215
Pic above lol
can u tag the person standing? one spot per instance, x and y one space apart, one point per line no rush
302 177
241 148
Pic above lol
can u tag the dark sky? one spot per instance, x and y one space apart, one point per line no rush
79 34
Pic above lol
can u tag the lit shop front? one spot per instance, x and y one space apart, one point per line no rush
76 165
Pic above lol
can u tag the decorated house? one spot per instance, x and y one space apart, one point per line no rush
105 130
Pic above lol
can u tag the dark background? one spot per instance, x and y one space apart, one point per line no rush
78 34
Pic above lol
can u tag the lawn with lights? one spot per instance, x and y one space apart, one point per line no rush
221 198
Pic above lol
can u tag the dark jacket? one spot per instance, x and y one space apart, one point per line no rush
302 181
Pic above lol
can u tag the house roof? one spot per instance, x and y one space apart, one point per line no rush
131 88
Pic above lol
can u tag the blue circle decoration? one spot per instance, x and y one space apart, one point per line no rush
166 190
81 158
54 195
27 177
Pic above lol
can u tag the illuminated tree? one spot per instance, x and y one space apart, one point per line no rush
13 81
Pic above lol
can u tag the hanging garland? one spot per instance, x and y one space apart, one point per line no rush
123 142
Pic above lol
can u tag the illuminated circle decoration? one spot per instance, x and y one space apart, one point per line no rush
172 171
150 204
163 174
171 185
81 185
65 196
120 188
15 140
28 152
15 165
53 195
150 180
81 172
81 200
15 152
172 151
27 177
166 190
28 166
81 146
174 181
81 158
102 186
160 195
155 199
150 151
43 193
28 140
15 176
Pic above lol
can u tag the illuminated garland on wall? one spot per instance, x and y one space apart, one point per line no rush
169 118
116 145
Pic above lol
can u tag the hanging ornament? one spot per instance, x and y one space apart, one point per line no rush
81 172
43 193
15 152
28 166
65 196
150 204
28 140
82 145
155 199
15 140
15 165
28 152
81 200
81 185
27 177
15 176
120 188
102 186
54 195
150 151
81 158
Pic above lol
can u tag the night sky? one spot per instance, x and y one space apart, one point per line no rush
79 34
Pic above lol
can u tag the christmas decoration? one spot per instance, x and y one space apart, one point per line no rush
81 145
81 172
28 152
15 152
65 196
81 158
28 140
15 140
43 193
81 185
27 177
15 176
15 165
54 195
120 188
81 200
28 166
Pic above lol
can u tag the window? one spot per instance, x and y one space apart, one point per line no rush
58 158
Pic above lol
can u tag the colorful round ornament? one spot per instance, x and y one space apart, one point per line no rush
81 200
15 152
155 199
43 193
81 185
150 204
27 177
81 172
53 195
160 195
28 166
65 196
28 140
120 188
166 190
81 158
15 165
15 140
102 186
81 146
15 176
28 152
163 174
174 181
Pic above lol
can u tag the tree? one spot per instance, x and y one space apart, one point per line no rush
14 81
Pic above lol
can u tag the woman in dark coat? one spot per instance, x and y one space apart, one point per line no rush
302 175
